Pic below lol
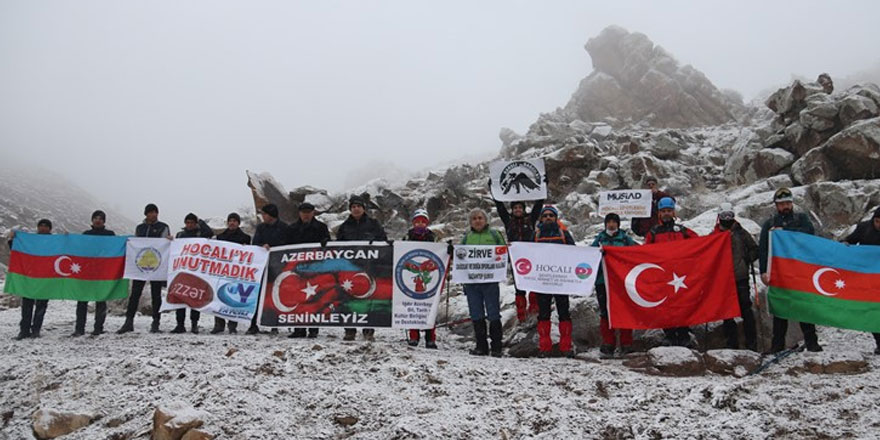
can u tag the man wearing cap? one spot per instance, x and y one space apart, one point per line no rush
271 232
359 227
868 233
520 226
745 252
233 234
665 231
82 307
193 228
551 230
641 226
307 229
32 310
151 227
786 219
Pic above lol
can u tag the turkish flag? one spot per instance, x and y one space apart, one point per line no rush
673 284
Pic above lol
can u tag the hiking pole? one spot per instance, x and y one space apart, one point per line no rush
760 328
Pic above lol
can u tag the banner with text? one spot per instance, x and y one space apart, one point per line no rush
344 284
627 203
216 277
419 276
479 264
518 180
555 268
146 258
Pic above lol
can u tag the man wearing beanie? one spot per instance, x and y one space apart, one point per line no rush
641 226
359 227
786 219
611 236
271 232
193 228
868 233
745 252
151 227
233 234
307 229
82 307
551 230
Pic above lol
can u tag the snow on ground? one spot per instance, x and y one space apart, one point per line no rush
274 387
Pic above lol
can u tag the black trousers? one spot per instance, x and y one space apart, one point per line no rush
780 327
748 317
32 313
82 309
137 288
545 303
220 324
194 316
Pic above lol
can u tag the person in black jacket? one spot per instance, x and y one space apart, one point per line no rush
359 227
32 310
82 307
785 219
868 233
234 234
271 232
151 227
307 229
520 226
194 228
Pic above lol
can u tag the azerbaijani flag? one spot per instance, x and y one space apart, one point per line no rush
820 281
77 267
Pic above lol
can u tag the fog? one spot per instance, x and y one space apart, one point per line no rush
170 102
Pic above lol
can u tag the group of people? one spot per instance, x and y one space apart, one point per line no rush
541 224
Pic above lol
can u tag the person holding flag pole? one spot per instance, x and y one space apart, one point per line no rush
151 227
745 252
868 233
785 219
612 235
32 310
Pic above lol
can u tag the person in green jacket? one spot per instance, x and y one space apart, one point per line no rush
611 236
484 298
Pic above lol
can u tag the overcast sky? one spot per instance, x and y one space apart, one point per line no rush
170 102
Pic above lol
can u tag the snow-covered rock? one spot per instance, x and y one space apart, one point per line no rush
51 423
173 420
731 362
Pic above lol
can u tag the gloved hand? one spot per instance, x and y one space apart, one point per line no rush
450 249
390 242
324 243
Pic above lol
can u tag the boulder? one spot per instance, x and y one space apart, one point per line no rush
173 420
789 101
51 423
731 362
813 167
857 107
666 147
855 151
265 189
838 362
676 361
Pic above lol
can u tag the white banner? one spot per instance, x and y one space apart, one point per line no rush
215 277
518 180
479 264
627 203
555 268
419 276
146 258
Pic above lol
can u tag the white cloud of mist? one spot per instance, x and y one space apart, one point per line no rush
169 102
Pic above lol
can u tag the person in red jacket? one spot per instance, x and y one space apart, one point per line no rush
668 230
551 230
420 232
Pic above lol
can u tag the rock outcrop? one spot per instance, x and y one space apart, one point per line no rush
50 423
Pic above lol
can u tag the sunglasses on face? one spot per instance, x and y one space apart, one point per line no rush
726 216
548 216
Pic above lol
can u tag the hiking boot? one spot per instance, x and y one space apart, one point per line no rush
430 344
126 328
217 329
814 347
349 335
606 351
97 332
412 342
194 330
77 334
178 330
22 336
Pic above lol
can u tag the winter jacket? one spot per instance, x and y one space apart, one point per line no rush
236 236
311 232
157 229
365 229
865 233
798 222
620 238
98 231
203 231
412 235
744 249
666 232
519 228
487 236
272 234
553 233
641 226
